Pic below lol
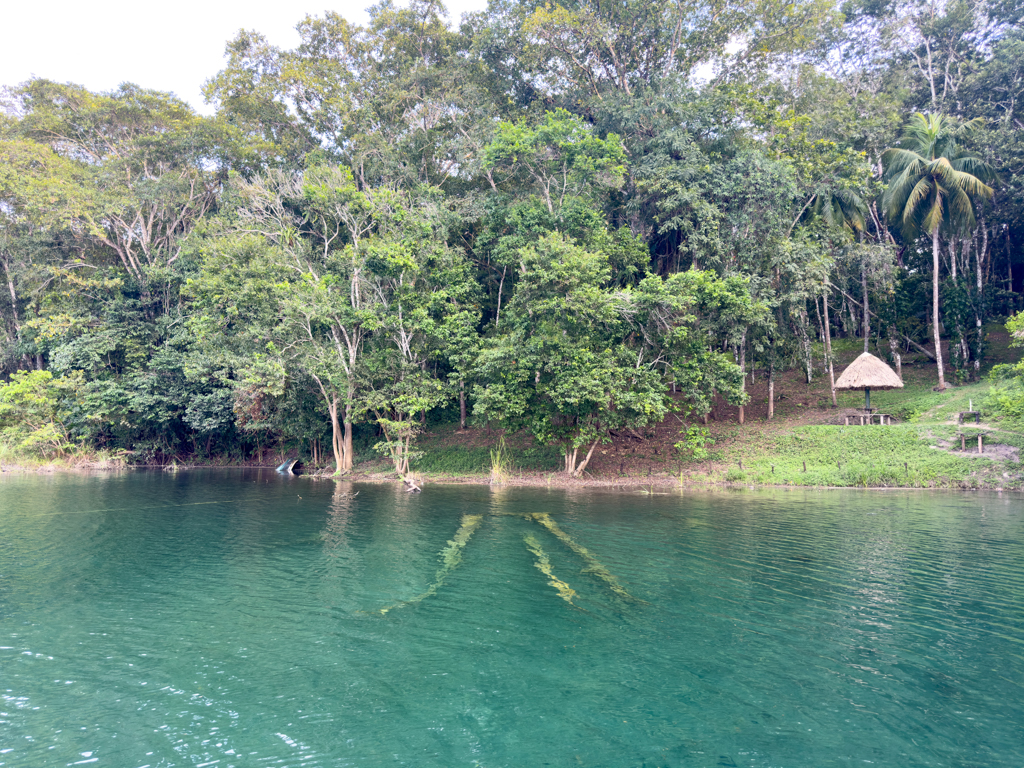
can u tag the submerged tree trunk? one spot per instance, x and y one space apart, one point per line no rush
935 309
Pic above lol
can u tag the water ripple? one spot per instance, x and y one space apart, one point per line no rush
229 619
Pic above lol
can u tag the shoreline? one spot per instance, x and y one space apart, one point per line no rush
653 484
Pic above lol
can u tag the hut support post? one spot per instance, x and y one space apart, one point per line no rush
867 398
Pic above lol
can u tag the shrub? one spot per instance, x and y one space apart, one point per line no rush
31 418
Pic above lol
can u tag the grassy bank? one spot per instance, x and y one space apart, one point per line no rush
923 452
806 444
75 461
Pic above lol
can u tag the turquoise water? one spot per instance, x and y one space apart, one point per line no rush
232 619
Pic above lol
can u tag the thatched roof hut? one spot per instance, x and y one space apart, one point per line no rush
867 372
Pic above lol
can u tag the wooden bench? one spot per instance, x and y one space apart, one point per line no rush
963 442
969 414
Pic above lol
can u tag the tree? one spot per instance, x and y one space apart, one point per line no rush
148 166
40 192
356 289
285 276
588 51
32 416
576 357
560 158
934 185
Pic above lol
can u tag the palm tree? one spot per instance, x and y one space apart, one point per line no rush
933 185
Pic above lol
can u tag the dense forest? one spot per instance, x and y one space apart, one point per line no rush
563 219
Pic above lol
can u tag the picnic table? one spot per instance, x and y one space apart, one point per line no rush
867 416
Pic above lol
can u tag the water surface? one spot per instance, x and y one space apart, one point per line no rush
233 619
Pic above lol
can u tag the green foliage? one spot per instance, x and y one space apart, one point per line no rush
735 475
1006 397
695 444
560 158
454 460
576 357
463 460
891 456
932 181
33 410
546 211
397 443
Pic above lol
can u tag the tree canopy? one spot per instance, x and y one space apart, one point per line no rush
570 219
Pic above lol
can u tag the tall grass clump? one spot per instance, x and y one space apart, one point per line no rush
501 463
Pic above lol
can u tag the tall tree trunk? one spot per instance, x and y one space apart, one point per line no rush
743 367
337 444
578 471
403 461
501 285
1009 264
894 349
867 312
14 296
956 351
979 307
952 258
570 460
935 309
828 349
346 452
462 404
805 342
771 390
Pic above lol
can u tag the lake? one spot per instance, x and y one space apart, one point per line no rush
242 618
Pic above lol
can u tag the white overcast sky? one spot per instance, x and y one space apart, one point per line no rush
167 46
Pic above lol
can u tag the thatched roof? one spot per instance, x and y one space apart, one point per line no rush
867 371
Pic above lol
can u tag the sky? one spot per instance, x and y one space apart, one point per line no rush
167 46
